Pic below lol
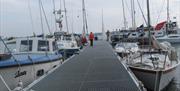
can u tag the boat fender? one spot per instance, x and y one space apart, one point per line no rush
141 85
19 86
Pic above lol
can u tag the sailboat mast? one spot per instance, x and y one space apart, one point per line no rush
149 23
103 31
85 28
133 14
168 17
102 21
40 9
124 15
54 12
65 11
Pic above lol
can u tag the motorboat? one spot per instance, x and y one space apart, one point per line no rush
24 60
169 34
66 43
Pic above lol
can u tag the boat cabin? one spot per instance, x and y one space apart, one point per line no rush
64 36
30 45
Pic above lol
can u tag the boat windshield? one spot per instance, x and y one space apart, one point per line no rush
67 37
54 46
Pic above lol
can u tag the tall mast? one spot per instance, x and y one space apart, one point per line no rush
54 12
124 16
42 27
65 11
168 17
31 17
85 27
149 23
133 14
102 22
103 31
59 16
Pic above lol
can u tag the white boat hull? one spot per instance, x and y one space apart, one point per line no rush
154 80
8 74
171 40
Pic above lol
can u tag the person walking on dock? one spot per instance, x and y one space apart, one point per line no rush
107 34
91 38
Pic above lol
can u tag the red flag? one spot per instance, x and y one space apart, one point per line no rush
159 26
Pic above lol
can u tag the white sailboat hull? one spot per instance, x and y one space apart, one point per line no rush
154 80
171 40
30 71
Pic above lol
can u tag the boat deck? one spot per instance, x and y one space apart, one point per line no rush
96 68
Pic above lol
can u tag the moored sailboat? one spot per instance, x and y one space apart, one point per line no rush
156 66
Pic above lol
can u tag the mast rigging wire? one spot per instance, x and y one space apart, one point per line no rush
66 16
41 18
142 12
45 17
31 17
9 51
85 26
54 12
124 15
160 11
128 8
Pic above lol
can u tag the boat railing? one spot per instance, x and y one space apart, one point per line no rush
154 52
144 46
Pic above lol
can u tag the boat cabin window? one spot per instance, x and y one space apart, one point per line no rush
11 46
40 72
43 45
26 45
160 33
67 37
54 46
133 34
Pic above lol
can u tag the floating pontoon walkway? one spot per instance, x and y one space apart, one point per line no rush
95 69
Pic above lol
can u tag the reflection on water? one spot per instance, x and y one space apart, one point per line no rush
175 84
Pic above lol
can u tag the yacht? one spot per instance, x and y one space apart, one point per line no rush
66 43
23 60
170 35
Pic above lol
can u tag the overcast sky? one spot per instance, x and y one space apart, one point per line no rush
15 17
